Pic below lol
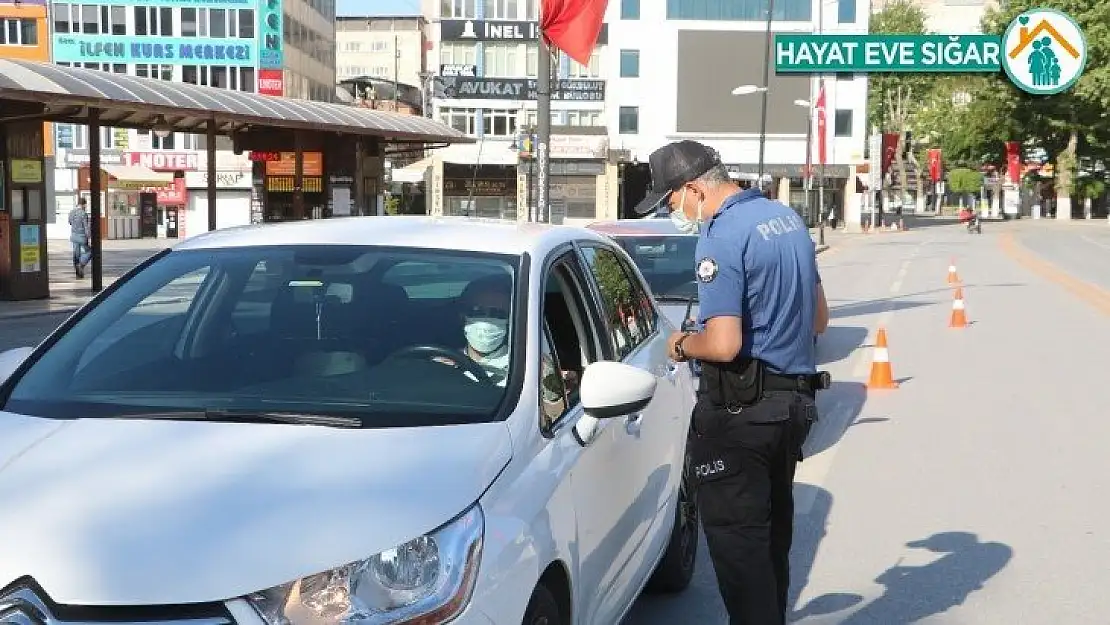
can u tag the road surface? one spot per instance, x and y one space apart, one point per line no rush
974 493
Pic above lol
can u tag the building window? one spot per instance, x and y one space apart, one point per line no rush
531 118
585 118
217 23
499 123
629 121
531 10
246 23
90 21
118 19
846 11
739 10
154 21
188 22
18 32
502 9
630 63
842 126
464 9
630 9
845 77
161 72
502 60
457 54
531 60
593 70
460 119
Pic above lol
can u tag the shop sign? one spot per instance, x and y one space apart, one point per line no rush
26 171
586 147
456 69
270 40
313 164
165 161
565 90
224 180
173 194
480 187
71 48
74 157
498 30
271 82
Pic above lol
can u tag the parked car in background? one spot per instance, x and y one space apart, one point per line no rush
289 425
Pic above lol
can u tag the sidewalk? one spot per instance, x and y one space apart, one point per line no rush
67 293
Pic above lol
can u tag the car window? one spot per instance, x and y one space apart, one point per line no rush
619 298
643 311
393 336
553 391
666 262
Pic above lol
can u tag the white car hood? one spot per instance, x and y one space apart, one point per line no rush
115 512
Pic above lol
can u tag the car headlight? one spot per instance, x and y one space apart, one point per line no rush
425 581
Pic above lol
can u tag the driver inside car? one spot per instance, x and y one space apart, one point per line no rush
485 316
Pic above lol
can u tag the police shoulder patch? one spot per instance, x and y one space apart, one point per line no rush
707 269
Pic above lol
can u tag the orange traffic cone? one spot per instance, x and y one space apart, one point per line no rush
953 277
959 314
881 375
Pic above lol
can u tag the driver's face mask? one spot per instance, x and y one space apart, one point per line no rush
486 329
678 216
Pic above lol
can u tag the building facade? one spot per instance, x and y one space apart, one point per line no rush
483 56
950 16
274 47
674 65
386 48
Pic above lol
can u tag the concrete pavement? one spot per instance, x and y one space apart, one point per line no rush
67 293
974 493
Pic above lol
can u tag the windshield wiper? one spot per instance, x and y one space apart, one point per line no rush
247 416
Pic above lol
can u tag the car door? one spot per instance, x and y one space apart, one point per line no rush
604 490
656 436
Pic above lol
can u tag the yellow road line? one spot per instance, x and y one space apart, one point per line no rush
1093 294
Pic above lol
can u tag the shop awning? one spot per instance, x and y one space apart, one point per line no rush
414 172
135 177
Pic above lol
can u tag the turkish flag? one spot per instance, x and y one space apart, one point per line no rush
1013 161
934 164
573 26
890 146
821 123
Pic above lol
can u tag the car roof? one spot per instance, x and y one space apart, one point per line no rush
638 227
470 234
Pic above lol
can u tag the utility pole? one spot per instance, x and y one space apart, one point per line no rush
823 139
396 69
766 80
543 132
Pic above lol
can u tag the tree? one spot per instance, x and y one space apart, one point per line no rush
1074 122
893 99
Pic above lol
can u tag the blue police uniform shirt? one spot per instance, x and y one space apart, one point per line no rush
756 260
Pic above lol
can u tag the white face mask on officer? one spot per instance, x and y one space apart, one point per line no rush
486 334
678 216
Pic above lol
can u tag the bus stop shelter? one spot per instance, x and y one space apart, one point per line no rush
32 93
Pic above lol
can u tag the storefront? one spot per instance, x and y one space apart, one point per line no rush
233 195
480 191
280 183
129 197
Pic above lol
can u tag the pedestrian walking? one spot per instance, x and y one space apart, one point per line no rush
79 236
760 305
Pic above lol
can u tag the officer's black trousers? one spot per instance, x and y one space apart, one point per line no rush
744 466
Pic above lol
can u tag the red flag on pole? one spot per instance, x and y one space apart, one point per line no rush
1013 161
573 26
821 123
934 164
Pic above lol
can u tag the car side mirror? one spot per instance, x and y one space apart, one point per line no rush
613 389
11 359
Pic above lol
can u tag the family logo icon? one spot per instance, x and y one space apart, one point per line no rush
1046 51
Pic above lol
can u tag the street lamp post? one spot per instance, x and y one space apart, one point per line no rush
808 172
766 84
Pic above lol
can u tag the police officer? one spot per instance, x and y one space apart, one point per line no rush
760 305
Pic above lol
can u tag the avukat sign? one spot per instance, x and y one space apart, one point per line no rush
573 26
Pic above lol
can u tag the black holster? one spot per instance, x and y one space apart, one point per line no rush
734 384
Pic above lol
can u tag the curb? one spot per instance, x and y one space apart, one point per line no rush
62 310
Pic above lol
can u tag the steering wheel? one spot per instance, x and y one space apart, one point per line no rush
461 359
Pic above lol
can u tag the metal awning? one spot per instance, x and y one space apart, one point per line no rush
67 93
136 176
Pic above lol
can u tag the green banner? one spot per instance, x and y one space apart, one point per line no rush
805 53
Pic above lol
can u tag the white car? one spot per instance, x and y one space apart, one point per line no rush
278 425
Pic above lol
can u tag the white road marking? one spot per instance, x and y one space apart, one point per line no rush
1094 242
834 423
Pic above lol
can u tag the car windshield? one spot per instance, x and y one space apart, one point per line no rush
667 263
390 336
